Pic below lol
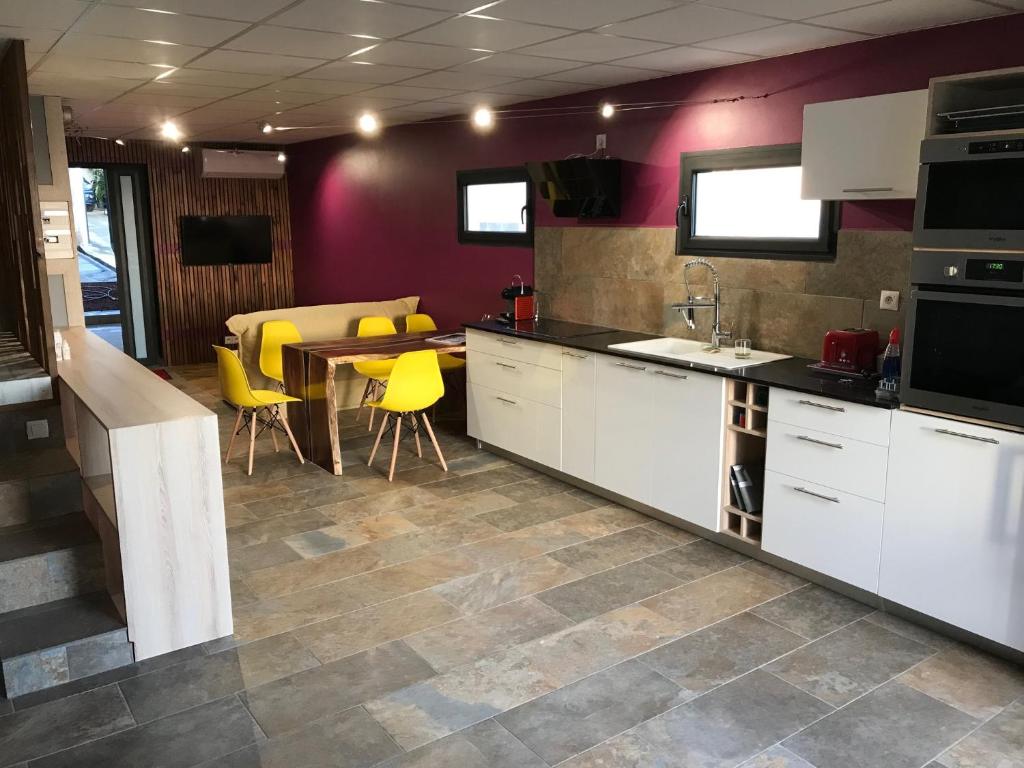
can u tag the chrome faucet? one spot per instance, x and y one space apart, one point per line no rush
700 302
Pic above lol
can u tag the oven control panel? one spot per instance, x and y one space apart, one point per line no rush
992 270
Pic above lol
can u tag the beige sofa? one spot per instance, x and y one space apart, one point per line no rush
319 323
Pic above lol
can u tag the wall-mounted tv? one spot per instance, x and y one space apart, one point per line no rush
209 240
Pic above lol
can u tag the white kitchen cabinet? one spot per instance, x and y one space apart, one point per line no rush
579 409
624 448
862 149
686 436
512 422
953 543
829 531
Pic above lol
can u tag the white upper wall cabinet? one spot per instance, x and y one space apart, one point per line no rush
863 149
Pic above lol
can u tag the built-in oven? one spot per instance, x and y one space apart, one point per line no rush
970 194
965 336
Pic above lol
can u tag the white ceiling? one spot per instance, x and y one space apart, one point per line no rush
220 67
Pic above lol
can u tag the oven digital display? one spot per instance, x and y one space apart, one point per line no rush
1003 271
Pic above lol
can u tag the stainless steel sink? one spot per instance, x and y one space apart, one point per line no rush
691 351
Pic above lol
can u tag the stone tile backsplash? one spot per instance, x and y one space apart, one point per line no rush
628 277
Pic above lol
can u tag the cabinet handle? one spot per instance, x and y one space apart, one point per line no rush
506 365
807 439
573 354
671 375
506 400
632 367
989 440
868 189
506 341
833 499
813 404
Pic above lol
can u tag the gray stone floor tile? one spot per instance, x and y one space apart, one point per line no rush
197 681
732 723
892 727
610 551
294 701
717 654
264 531
999 743
535 512
697 560
849 662
479 592
582 715
812 611
972 681
62 724
610 589
910 630
179 741
776 757
478 481
534 488
245 560
484 745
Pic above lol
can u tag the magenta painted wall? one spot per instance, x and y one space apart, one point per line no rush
375 219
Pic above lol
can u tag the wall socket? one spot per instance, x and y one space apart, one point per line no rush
37 430
602 142
230 341
890 300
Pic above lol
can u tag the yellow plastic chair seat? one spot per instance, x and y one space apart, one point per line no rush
375 369
273 335
270 397
450 362
415 383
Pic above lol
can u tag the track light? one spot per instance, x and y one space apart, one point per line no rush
368 123
281 157
266 128
607 110
119 142
483 118
186 149
170 130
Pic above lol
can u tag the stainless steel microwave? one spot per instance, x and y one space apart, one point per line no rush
970 195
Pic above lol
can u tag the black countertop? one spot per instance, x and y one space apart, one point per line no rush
792 373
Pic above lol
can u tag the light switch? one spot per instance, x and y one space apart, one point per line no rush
37 430
890 300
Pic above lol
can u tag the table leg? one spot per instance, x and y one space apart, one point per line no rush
296 384
321 401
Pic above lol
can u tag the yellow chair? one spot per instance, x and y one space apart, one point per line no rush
375 371
420 322
273 335
415 385
234 387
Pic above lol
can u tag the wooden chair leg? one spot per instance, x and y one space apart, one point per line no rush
437 448
416 434
291 438
362 402
376 443
273 431
234 433
252 438
394 448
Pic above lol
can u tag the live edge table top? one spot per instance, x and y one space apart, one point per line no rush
358 349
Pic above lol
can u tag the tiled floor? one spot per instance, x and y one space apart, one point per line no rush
495 618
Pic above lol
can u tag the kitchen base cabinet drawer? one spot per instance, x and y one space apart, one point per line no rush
834 533
861 422
514 348
533 382
837 462
518 425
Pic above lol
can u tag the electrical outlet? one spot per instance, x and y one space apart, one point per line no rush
890 300
37 430
602 142
230 341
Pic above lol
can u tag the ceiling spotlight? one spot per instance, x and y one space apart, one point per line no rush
607 110
170 130
119 142
186 149
281 157
266 128
368 123
483 118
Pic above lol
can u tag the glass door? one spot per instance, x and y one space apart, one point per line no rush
115 258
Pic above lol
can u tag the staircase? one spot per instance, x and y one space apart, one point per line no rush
57 623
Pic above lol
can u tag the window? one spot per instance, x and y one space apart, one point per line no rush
495 207
746 202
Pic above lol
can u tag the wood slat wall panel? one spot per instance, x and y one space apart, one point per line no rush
194 302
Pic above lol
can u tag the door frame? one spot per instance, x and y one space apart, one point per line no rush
147 256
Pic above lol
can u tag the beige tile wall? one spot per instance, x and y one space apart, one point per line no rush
627 277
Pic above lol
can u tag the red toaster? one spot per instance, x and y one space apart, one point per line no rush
850 350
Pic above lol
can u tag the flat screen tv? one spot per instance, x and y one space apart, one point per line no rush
208 240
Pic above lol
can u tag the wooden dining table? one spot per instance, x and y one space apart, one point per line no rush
309 369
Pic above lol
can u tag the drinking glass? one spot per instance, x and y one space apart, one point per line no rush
742 349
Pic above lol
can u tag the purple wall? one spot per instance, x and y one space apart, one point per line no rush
375 219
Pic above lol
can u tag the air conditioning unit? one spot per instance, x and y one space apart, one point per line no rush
241 164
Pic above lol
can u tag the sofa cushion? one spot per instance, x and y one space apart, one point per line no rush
317 323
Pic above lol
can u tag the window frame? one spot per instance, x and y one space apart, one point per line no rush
822 248
514 174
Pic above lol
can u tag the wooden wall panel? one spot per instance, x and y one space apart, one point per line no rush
194 302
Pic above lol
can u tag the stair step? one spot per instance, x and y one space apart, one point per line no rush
38 484
49 560
61 641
